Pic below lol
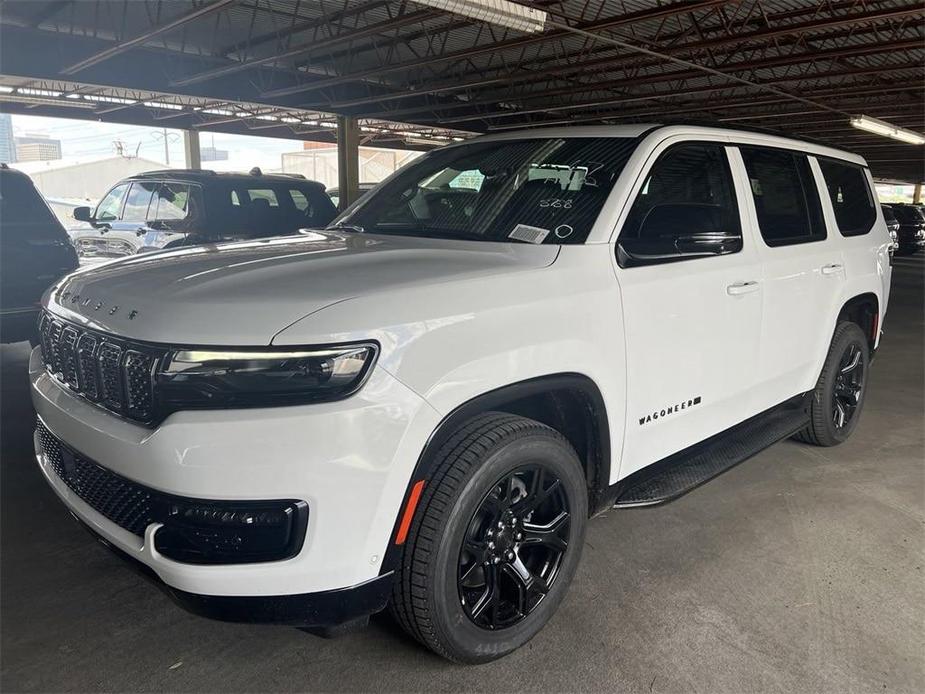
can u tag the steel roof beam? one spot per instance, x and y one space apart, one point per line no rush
146 36
664 11
610 61
302 27
744 66
385 25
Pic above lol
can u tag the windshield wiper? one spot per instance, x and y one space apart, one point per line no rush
346 227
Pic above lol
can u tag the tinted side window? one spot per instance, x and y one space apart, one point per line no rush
315 207
785 195
686 208
111 205
855 209
171 202
138 200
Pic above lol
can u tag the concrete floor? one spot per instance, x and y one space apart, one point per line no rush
798 571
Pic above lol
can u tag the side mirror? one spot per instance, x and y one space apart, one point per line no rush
679 230
83 214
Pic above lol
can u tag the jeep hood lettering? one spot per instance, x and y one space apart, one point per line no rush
243 293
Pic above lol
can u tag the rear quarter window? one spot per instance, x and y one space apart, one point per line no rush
851 197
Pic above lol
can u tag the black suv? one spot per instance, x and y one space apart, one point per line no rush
34 252
165 209
911 232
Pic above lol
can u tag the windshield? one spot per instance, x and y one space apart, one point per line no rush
543 190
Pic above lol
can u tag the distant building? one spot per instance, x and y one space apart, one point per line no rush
318 161
7 145
69 183
213 154
37 147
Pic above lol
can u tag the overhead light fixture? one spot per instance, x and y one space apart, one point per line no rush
880 127
500 12
422 141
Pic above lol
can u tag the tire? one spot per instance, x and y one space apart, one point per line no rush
447 551
832 418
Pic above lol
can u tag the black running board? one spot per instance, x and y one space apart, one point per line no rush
681 472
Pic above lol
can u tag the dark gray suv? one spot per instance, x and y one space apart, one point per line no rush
166 209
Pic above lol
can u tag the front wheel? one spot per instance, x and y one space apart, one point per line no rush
839 394
495 541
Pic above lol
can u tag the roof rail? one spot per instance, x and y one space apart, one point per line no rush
167 172
291 175
746 129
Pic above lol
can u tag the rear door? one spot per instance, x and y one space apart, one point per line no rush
802 267
692 322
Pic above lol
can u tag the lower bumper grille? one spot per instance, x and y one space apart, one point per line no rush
195 531
128 505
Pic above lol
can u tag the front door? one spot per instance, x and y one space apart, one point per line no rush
127 233
691 301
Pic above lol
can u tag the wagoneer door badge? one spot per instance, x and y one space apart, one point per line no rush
683 405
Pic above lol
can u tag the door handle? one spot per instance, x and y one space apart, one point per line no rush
742 288
831 269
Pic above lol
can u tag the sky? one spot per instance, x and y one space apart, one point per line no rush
80 138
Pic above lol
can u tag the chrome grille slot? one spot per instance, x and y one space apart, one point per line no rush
137 373
54 335
86 366
67 355
108 361
116 374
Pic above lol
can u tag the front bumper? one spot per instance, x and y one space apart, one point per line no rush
350 461
322 609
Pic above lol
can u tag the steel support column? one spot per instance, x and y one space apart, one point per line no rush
917 194
191 147
348 160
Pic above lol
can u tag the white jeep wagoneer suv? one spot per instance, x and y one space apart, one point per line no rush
421 406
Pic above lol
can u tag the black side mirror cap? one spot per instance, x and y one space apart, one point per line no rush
83 214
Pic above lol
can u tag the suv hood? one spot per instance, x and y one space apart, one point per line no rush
244 293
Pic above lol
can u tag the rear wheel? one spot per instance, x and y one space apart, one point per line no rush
839 394
495 541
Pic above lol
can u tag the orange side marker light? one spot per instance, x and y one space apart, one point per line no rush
412 504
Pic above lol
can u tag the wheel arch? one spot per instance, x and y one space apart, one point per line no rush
571 403
864 311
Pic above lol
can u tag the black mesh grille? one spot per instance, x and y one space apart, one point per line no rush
128 505
115 373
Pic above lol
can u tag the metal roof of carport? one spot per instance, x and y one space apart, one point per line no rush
800 66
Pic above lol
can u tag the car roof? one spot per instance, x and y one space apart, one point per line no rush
207 175
740 134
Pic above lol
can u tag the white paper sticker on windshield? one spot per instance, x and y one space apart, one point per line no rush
523 232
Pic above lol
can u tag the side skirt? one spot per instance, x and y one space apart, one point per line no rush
681 472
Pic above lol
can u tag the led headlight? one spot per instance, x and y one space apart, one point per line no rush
210 378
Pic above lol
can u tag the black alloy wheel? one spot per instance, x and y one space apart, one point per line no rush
838 397
514 547
495 540
848 386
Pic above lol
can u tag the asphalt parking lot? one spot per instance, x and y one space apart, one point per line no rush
800 570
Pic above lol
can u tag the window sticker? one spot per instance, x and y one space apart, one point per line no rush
524 232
